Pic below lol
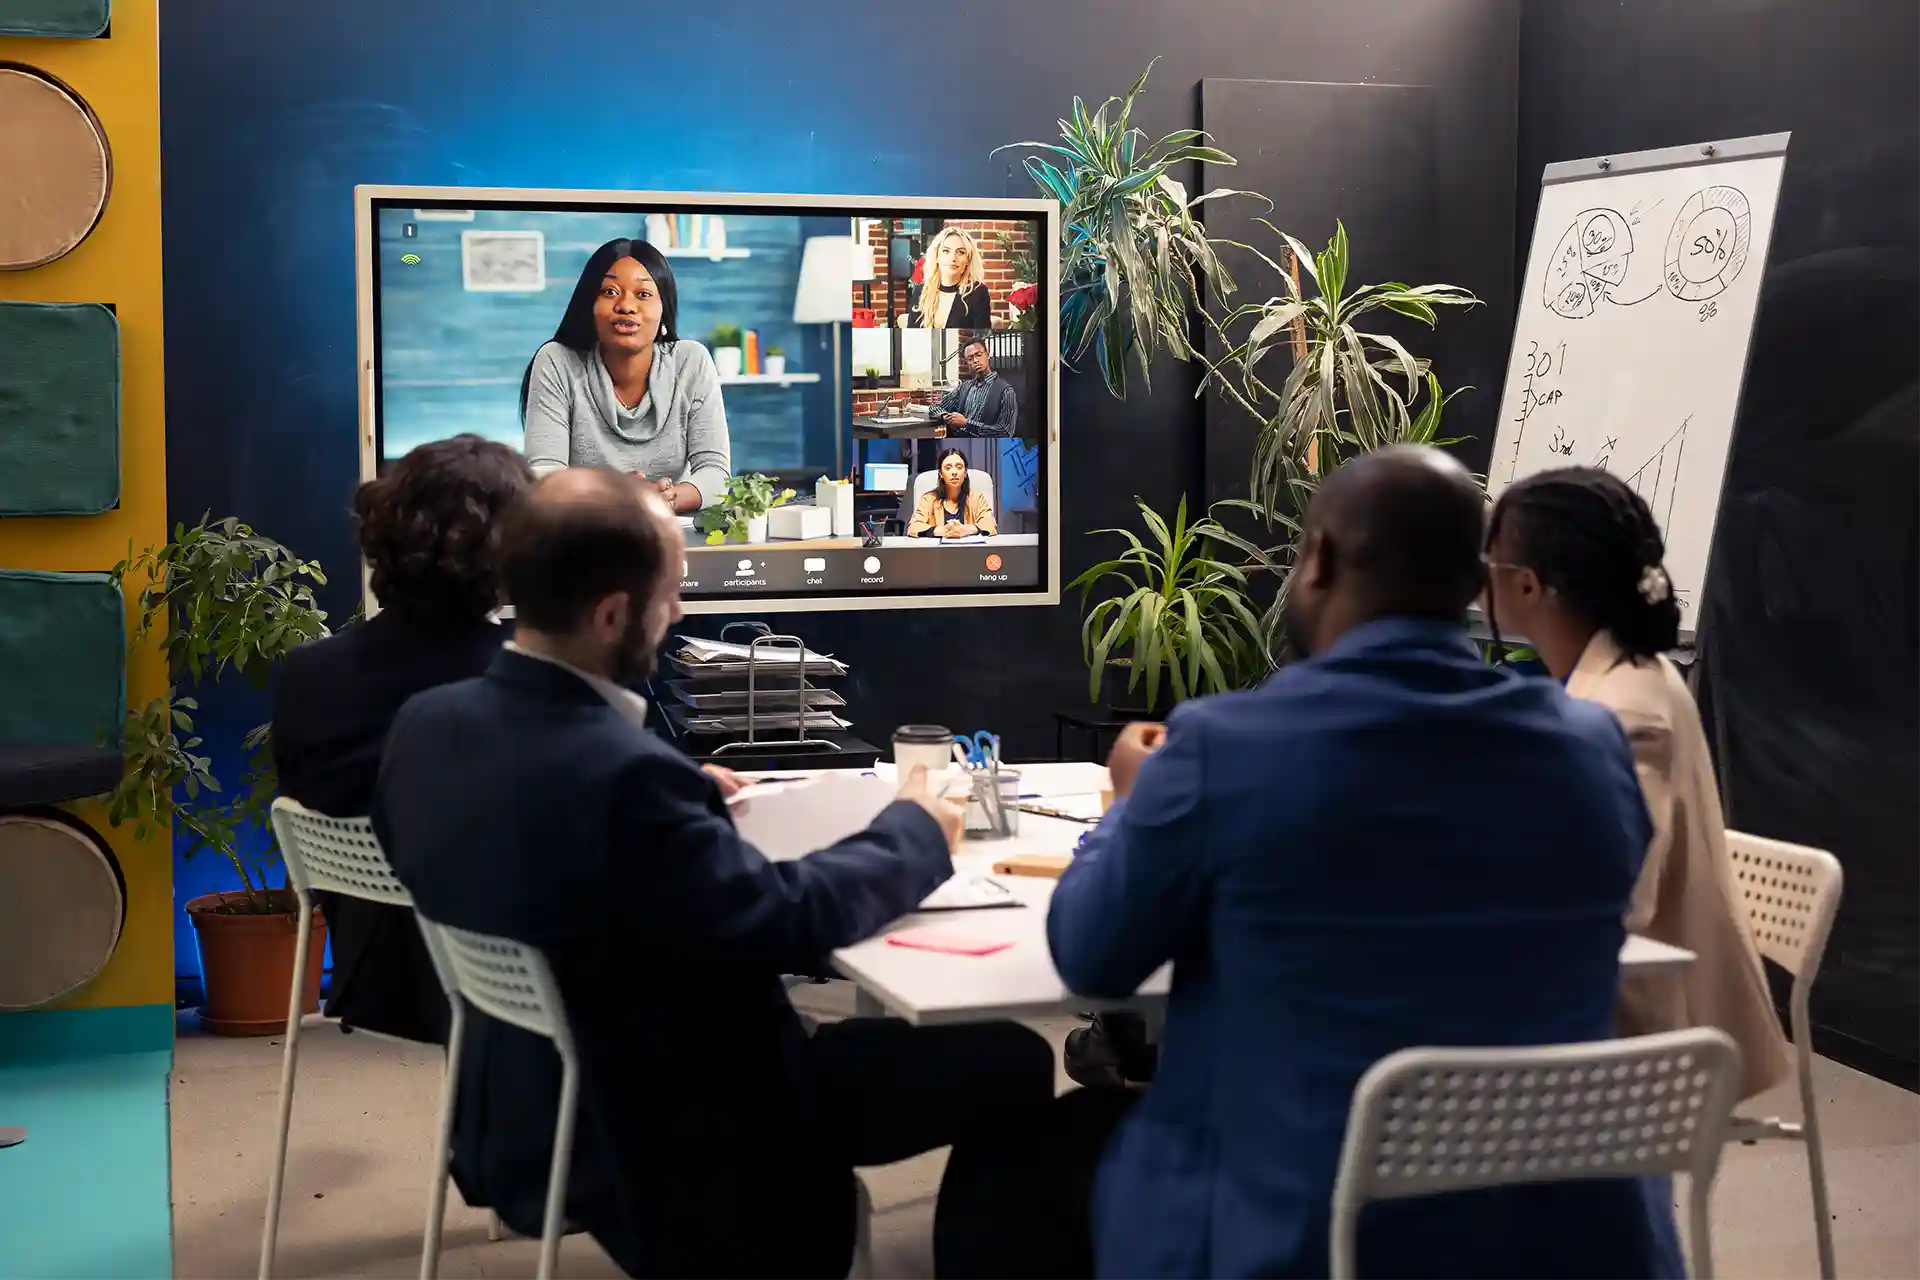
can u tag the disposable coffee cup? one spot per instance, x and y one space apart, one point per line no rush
927 744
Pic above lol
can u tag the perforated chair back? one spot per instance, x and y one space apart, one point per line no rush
1791 894
1426 1121
341 855
508 981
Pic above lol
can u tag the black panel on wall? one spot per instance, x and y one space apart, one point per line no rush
1360 153
1812 685
271 113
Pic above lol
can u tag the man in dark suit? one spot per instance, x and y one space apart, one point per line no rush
1392 843
425 528
715 1135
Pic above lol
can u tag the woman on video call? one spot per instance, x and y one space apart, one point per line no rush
955 294
951 509
618 387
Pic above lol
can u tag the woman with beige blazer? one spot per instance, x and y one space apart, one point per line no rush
952 508
1575 566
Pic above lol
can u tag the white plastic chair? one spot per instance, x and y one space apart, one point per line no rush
340 855
509 981
1426 1121
1792 894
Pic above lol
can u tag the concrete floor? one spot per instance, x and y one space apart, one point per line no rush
363 1125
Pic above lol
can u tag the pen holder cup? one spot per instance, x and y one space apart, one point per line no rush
993 805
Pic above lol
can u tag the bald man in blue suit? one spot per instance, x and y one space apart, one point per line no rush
1391 843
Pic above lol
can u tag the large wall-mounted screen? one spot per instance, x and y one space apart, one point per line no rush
893 362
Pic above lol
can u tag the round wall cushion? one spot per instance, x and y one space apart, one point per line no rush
63 909
55 168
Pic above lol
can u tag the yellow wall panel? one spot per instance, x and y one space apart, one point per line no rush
119 77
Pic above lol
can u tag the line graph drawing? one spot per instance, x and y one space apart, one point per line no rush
1708 244
1658 478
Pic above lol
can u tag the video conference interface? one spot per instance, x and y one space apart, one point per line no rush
887 370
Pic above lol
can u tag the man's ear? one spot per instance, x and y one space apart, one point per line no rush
1317 560
610 615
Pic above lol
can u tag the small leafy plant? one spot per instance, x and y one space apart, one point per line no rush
723 335
227 599
1132 255
1182 615
776 351
745 498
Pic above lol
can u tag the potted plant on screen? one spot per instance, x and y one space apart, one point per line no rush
1180 622
225 599
724 342
741 513
775 362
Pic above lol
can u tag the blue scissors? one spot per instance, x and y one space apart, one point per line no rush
981 751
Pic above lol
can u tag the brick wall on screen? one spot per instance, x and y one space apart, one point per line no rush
1000 278
986 234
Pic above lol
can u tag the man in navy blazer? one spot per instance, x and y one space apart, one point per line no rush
715 1136
1391 843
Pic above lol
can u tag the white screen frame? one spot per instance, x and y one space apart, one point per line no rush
1046 212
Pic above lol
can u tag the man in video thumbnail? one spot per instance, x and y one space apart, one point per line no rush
982 403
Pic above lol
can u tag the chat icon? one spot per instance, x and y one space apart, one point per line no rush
814 564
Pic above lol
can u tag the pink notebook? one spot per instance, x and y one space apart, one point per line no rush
947 942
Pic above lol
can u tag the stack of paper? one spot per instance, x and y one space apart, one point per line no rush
721 651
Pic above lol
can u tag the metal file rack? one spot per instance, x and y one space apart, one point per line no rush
771 703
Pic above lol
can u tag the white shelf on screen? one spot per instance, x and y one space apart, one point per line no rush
766 379
692 251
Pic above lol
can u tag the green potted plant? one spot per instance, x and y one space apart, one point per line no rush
226 599
775 362
741 513
1347 391
1132 255
1180 617
724 342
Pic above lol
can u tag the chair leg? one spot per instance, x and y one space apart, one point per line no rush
1340 1245
1810 1132
289 1062
1699 1230
496 1229
443 1145
554 1223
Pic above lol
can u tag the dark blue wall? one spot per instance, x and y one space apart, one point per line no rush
272 112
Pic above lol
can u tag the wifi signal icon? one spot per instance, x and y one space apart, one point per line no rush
411 259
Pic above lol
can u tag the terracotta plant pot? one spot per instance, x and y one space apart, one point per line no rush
246 961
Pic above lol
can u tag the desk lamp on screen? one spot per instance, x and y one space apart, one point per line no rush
825 296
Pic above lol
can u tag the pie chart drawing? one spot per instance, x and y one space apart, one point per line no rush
1708 244
1590 259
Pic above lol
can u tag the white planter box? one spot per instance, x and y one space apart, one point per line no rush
800 522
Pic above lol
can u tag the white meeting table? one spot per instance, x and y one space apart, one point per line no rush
929 988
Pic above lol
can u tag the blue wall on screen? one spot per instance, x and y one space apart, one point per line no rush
452 357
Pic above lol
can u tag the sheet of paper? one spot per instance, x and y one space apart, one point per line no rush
969 893
790 821
1074 808
708 650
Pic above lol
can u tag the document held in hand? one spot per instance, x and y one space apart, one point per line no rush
788 820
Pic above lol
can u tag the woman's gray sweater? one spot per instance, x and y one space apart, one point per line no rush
679 428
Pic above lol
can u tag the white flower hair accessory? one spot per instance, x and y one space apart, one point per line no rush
1655 586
